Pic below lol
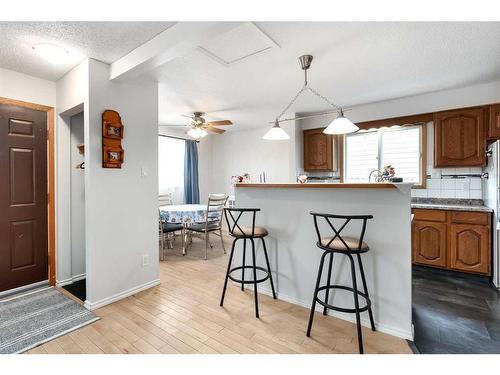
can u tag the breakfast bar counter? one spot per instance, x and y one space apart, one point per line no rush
294 256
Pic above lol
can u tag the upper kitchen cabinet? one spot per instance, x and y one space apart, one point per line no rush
318 151
459 138
494 121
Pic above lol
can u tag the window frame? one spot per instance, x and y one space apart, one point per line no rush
422 145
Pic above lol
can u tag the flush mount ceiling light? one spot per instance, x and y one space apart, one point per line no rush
52 53
340 125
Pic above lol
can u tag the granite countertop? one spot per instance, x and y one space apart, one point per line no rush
450 204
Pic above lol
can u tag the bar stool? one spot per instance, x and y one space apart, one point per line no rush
348 246
240 232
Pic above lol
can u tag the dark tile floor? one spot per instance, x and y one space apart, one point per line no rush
78 289
454 313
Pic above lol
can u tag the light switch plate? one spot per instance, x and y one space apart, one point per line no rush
144 172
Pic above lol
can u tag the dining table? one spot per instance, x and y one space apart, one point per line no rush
185 214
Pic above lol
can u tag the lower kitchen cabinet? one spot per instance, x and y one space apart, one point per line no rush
455 240
470 248
429 243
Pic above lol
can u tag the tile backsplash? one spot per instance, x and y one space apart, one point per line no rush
446 187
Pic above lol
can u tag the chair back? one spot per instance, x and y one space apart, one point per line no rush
165 200
215 206
344 220
234 215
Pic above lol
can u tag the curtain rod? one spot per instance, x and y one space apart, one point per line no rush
173 136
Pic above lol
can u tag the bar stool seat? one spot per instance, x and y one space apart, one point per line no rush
337 244
244 231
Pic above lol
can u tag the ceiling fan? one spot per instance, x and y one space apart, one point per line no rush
199 127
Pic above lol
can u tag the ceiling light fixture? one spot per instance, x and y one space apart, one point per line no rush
276 133
197 132
340 125
52 53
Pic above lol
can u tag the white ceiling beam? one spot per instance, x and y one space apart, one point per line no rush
176 41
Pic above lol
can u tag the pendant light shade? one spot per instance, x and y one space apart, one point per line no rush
276 133
341 125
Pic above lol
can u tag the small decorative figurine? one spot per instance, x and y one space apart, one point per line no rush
302 179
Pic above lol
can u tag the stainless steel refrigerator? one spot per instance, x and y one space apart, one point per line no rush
491 197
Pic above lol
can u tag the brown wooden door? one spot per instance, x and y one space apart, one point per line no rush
459 138
494 121
429 243
23 197
470 248
318 151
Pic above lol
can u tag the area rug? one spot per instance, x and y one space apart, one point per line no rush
34 318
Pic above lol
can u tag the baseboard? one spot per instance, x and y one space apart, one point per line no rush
71 280
121 295
347 317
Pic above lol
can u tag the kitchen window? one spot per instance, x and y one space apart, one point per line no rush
399 146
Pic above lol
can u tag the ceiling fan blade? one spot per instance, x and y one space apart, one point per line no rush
214 130
220 123
191 117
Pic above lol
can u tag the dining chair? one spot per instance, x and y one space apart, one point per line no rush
213 221
169 229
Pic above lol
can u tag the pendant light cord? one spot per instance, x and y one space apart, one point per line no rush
306 87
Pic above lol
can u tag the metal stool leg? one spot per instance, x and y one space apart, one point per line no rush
315 297
328 282
227 272
268 267
363 279
256 297
243 264
356 304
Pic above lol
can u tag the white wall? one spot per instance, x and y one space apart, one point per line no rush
121 204
239 152
204 159
18 86
77 199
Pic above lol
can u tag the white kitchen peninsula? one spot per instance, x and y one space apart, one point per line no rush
295 258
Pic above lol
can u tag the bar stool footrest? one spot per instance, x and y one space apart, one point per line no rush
343 309
248 281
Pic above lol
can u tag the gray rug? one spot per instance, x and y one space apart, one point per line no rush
34 318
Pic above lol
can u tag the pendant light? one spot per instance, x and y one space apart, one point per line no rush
276 133
341 124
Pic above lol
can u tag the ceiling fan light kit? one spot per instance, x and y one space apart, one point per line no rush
199 128
197 132
340 125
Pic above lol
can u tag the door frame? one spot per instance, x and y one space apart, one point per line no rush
50 178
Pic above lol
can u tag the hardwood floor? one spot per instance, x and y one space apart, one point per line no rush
182 315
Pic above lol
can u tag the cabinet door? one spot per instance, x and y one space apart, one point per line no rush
318 150
459 138
470 248
429 243
494 121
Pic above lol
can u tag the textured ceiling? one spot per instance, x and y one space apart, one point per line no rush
354 63
104 41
